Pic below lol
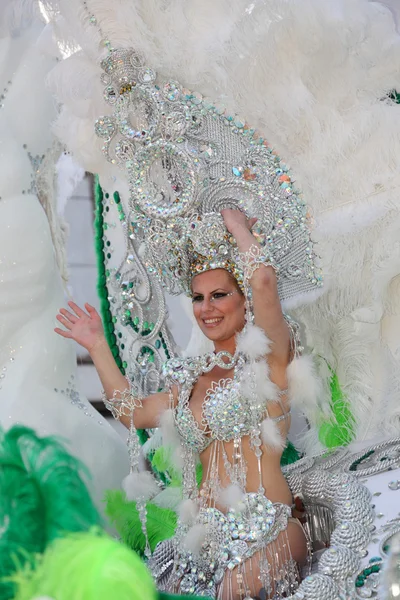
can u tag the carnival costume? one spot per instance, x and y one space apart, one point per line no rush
183 235
186 152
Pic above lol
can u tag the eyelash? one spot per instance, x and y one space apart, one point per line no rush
215 296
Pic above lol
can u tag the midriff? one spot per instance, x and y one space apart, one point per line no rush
273 481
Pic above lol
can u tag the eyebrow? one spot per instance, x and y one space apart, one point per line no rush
213 292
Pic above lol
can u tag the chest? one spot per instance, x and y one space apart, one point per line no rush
202 390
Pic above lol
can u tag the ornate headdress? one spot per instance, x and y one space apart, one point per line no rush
187 159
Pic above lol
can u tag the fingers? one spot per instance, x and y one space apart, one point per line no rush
91 310
68 315
64 321
65 334
78 311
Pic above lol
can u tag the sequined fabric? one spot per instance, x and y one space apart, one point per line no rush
226 414
230 540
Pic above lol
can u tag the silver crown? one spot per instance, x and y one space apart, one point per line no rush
187 159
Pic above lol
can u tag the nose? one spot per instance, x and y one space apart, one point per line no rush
206 305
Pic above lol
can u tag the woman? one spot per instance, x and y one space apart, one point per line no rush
236 537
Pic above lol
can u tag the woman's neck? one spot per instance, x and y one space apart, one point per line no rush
226 345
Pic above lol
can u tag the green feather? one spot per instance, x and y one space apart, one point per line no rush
290 455
339 430
42 495
86 566
161 522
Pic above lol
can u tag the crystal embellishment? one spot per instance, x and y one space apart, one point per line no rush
185 160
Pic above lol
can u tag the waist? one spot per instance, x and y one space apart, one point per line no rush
273 481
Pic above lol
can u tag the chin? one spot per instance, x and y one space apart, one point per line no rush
218 336
214 336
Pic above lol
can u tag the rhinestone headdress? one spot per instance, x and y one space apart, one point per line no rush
186 159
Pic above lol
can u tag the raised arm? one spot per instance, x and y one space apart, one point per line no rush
267 307
86 329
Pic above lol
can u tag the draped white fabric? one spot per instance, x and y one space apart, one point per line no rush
37 367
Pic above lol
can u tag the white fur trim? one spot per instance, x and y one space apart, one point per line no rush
170 436
304 385
153 442
169 498
253 342
271 436
140 486
194 538
188 511
264 389
232 497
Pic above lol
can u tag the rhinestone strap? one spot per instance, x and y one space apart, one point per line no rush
254 258
123 404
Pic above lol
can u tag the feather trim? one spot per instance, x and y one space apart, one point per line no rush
253 342
169 498
140 486
188 511
305 386
195 538
232 497
256 384
271 436
266 389
170 437
152 443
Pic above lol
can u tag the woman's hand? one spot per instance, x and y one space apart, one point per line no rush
235 220
85 328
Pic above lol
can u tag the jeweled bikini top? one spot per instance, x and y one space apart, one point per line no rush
226 414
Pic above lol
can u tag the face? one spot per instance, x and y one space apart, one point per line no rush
218 304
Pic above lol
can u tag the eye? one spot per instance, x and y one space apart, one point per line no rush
197 298
219 295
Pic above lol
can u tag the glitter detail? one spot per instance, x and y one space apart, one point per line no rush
186 159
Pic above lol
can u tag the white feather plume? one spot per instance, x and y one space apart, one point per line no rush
194 538
253 342
305 388
170 437
232 497
140 486
153 442
266 389
168 430
188 511
255 383
170 498
271 436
